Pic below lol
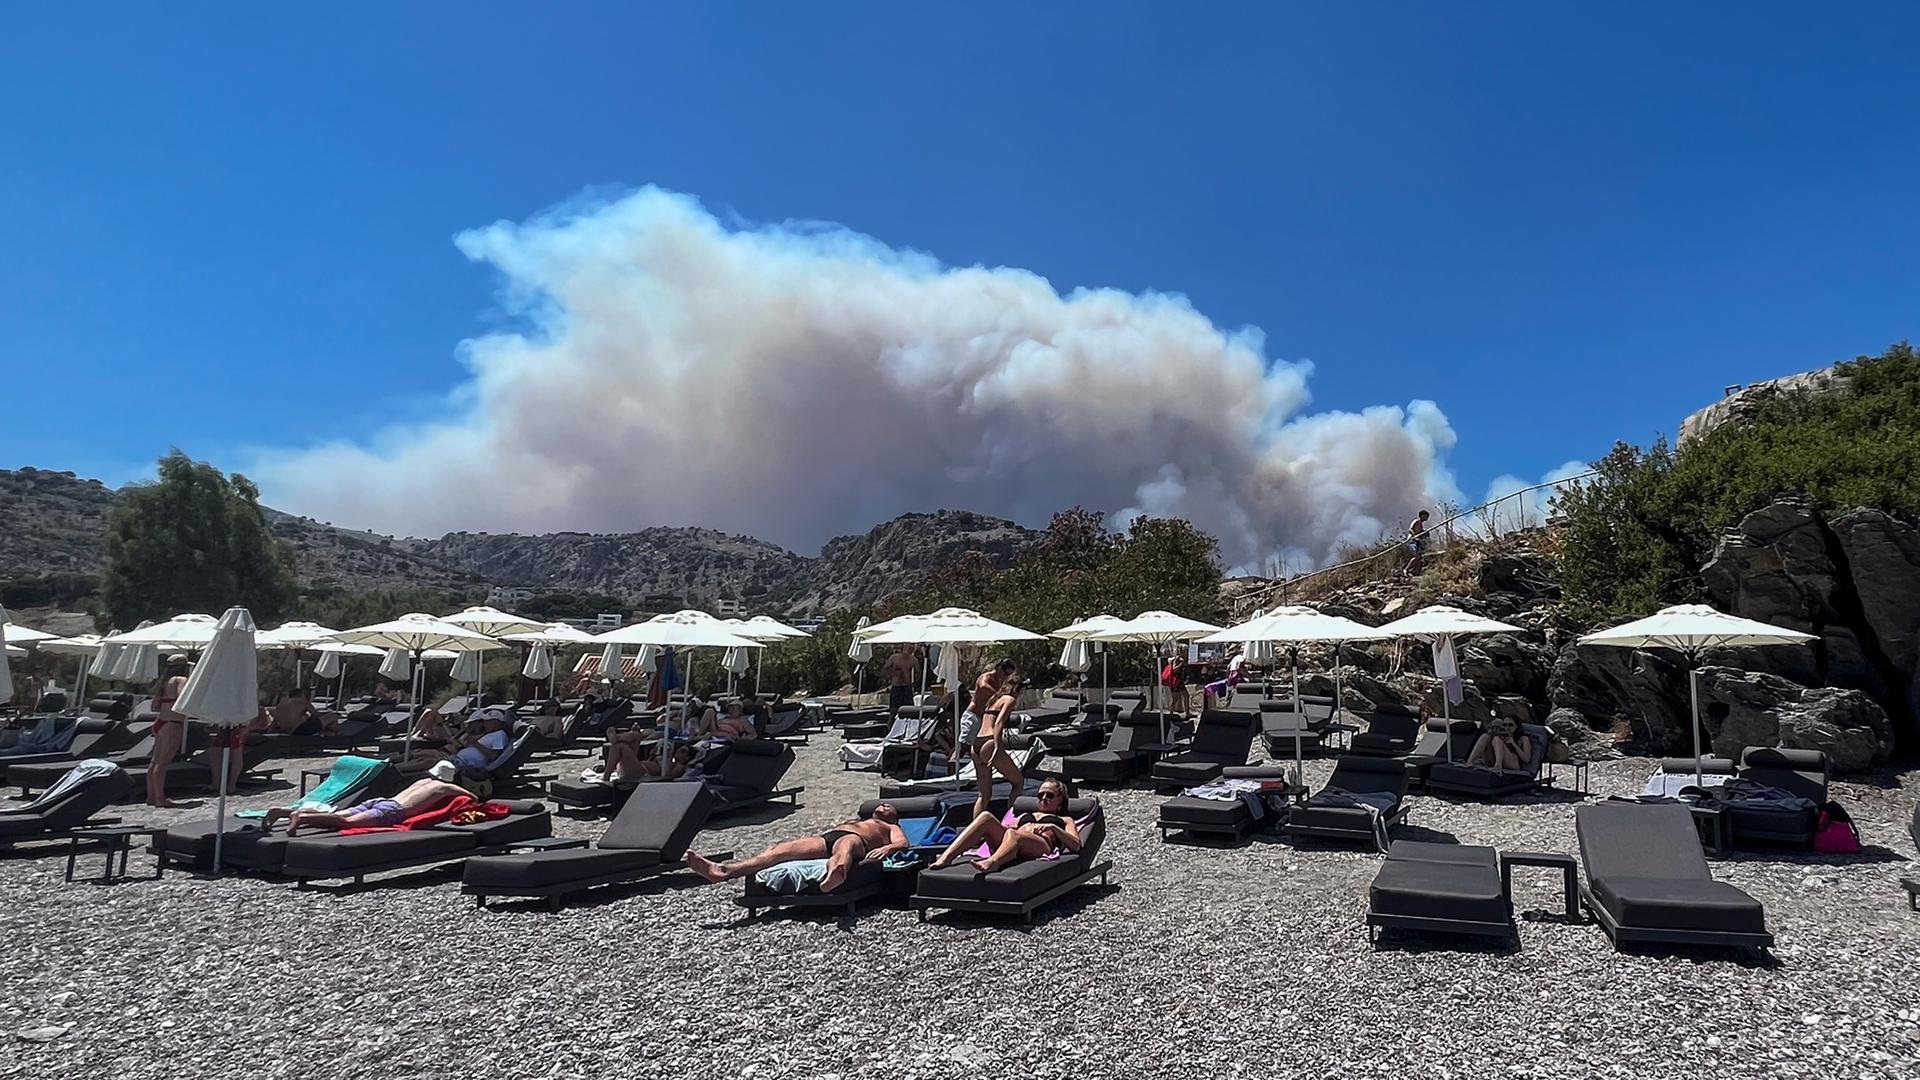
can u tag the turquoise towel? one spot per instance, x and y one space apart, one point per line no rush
344 784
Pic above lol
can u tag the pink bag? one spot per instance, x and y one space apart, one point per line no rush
1834 833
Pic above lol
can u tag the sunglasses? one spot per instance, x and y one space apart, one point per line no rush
1047 792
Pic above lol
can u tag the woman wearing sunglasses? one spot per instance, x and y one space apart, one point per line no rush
1036 834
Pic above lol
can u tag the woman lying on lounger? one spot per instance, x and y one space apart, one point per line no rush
870 839
1033 835
624 761
416 798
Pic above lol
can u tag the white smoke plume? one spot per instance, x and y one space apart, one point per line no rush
799 381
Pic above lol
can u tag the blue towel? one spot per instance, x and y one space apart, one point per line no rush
919 830
793 877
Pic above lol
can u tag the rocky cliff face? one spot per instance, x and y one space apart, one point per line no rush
54 522
1738 405
855 571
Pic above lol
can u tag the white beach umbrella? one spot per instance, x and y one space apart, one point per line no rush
766 631
1076 657
860 651
1440 625
137 664
768 628
1294 625
297 637
610 668
683 630
559 635
494 623
1691 629
1161 629
16 634
190 632
224 691
6 672
106 659
737 662
1086 630
332 663
947 628
417 633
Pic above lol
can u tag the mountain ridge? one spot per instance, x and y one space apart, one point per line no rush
53 522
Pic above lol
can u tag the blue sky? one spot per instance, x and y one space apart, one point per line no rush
229 227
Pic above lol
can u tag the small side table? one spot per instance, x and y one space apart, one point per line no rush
115 840
1569 868
1715 831
1912 885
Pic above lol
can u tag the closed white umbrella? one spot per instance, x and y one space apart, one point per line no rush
328 666
1295 625
1159 629
860 651
539 665
1086 630
6 672
138 664
106 659
396 665
737 661
1691 629
947 628
1440 625
466 667
1076 657
224 691
610 668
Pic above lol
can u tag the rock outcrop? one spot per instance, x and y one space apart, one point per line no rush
1741 403
1739 709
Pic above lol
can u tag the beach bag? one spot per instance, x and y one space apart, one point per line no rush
1170 677
1835 834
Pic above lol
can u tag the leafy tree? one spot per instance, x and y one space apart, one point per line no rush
194 540
1637 535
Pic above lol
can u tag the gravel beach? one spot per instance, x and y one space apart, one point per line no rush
1197 960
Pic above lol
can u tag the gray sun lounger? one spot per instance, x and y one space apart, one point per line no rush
1647 882
1024 887
648 837
1440 889
65 812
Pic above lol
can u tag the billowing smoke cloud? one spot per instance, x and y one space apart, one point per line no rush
798 381
1519 502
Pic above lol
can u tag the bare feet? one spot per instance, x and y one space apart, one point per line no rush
706 867
983 866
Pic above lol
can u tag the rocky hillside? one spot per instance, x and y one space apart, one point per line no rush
1852 581
52 522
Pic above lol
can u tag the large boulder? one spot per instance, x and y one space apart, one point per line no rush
1883 559
1643 691
1739 709
1783 565
1505 664
1583 743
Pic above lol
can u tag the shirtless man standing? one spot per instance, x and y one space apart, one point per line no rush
847 843
901 669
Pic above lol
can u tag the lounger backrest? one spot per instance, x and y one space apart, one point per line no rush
78 805
1802 772
1224 734
662 817
755 763
909 807
1539 741
515 755
1394 725
1362 775
1646 840
1709 766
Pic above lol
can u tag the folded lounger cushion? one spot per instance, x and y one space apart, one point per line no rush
1444 888
1024 886
1647 881
68 804
1281 721
649 835
1483 782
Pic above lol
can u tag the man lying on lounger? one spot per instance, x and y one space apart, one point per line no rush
842 846
416 798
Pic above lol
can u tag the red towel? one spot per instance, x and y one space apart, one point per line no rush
459 810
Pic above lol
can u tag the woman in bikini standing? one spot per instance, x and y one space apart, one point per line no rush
169 727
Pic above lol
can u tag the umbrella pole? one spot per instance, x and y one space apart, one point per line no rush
413 719
1300 715
220 805
759 669
1339 702
1693 690
1446 703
